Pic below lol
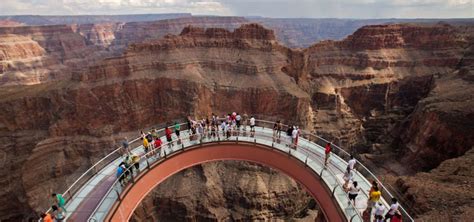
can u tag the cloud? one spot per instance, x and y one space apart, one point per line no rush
74 7
267 8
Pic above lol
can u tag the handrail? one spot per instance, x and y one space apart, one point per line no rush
367 170
90 169
128 169
218 132
359 163
113 186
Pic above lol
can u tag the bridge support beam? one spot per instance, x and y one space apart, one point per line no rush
296 169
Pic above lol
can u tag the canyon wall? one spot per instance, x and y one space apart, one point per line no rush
399 90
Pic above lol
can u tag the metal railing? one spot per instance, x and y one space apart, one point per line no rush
92 171
360 167
337 189
341 153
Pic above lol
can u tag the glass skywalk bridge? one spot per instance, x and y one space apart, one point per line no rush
97 194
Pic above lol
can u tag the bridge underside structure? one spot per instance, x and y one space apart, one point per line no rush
245 151
98 196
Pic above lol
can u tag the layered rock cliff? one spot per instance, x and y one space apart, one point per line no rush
369 93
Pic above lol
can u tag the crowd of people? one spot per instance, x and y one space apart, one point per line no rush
232 124
374 204
58 212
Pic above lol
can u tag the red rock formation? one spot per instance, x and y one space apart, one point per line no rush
356 92
48 53
9 23
102 34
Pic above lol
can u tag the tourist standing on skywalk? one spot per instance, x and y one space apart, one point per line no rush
238 120
393 210
351 163
374 195
245 119
59 200
294 136
169 138
275 130
188 123
279 128
158 143
47 217
58 213
353 192
146 145
347 177
379 211
125 146
327 152
252 126
177 128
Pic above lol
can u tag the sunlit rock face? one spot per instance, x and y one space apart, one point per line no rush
395 94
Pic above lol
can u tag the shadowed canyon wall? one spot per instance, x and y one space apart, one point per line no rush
398 92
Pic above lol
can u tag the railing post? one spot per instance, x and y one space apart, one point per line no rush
69 192
321 174
334 190
118 195
131 174
352 218
306 161
182 145
147 164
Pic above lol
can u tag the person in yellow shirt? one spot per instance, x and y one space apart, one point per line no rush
136 161
145 145
374 196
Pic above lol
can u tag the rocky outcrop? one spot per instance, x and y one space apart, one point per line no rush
227 191
444 193
102 34
9 23
361 94
441 127
33 55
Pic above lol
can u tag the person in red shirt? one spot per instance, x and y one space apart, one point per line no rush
327 151
168 133
158 145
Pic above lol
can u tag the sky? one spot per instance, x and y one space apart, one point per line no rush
265 8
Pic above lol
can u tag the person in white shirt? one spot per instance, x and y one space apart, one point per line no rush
379 210
347 177
393 210
294 134
353 192
351 163
223 128
252 124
